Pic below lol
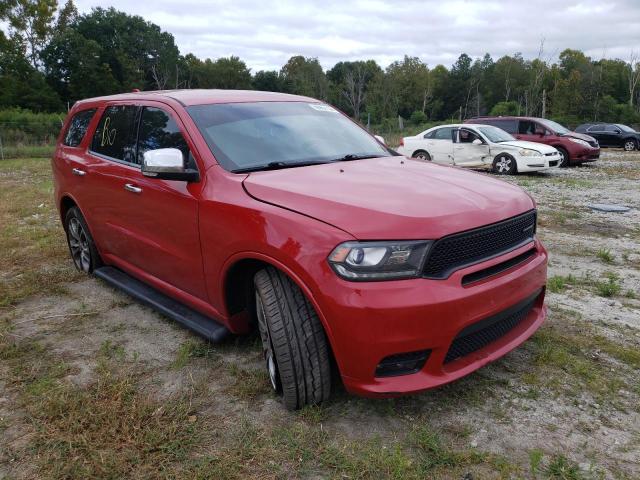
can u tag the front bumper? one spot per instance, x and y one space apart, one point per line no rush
585 154
534 164
373 320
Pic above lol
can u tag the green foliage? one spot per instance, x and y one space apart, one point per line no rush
418 117
505 108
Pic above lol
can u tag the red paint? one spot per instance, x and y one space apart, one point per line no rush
184 238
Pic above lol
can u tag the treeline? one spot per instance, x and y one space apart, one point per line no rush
51 57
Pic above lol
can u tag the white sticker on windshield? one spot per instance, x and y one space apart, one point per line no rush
321 107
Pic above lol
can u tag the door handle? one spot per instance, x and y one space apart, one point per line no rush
132 188
78 172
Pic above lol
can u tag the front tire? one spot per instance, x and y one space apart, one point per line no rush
294 343
630 145
81 245
504 164
421 155
564 157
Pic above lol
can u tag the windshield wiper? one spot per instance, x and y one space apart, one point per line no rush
275 166
350 156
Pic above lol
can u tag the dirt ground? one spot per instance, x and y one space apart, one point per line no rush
93 385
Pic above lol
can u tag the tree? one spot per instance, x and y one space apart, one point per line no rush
349 83
306 77
30 24
633 75
66 17
269 81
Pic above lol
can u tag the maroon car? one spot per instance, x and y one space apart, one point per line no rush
574 148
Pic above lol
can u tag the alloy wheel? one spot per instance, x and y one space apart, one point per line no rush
503 165
79 245
629 145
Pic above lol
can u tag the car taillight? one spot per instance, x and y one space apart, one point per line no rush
402 142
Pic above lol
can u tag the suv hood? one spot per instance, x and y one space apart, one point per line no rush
390 198
540 147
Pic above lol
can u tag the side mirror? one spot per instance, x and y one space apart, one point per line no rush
380 139
167 164
617 131
477 141
540 132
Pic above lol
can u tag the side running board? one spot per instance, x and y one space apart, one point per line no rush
200 324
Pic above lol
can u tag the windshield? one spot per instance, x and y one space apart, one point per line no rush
246 136
624 128
555 126
495 134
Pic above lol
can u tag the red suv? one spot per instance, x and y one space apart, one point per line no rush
229 210
574 148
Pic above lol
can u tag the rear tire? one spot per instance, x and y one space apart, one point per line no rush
504 164
293 340
82 248
564 157
421 155
630 145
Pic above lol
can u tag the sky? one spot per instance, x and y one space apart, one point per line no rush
266 34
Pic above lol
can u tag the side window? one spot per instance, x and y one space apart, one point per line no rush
115 135
509 126
431 134
596 128
527 127
612 129
78 127
443 133
159 130
467 136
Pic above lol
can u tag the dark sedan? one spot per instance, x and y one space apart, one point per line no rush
612 135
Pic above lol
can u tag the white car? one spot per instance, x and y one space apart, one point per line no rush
479 146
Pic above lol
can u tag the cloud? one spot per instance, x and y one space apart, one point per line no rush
266 34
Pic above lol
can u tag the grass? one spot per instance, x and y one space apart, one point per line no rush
609 286
192 348
33 251
605 255
27 151
568 360
558 283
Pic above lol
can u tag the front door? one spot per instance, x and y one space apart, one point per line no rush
469 149
150 224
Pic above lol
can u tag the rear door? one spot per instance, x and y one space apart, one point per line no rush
441 146
599 132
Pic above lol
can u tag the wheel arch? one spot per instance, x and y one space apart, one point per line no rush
237 283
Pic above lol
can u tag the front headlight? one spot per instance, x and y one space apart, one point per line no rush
379 260
525 152
579 142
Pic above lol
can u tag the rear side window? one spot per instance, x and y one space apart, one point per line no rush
510 126
443 133
159 130
115 136
78 127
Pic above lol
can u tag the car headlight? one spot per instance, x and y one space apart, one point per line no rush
526 152
579 142
379 260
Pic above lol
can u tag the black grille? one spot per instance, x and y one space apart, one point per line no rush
473 246
482 333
